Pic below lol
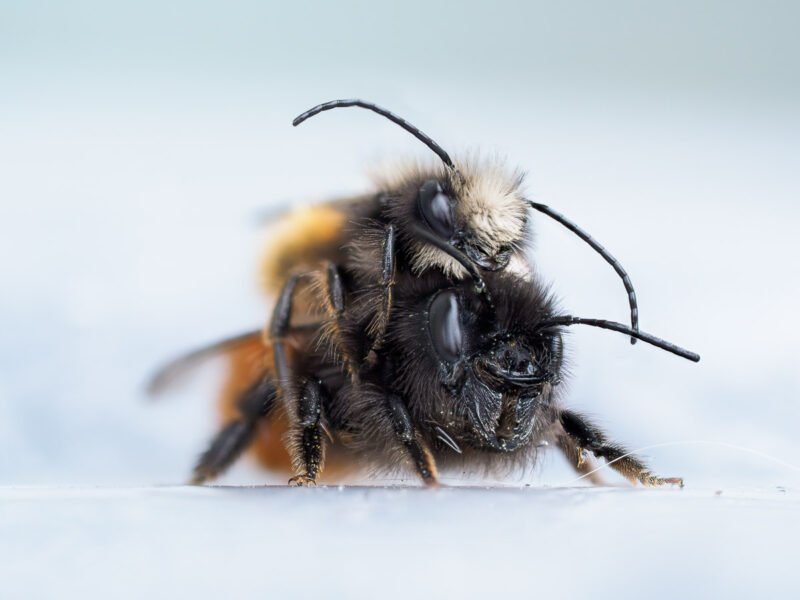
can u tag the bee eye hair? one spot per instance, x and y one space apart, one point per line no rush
436 209
444 325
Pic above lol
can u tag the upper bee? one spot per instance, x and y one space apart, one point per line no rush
464 218
477 211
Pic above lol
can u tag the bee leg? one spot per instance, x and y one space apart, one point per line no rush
279 327
254 404
414 445
306 443
381 320
334 302
576 457
588 436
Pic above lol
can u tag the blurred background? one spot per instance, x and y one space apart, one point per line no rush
141 143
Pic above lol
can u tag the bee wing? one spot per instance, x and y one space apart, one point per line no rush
177 369
352 206
250 350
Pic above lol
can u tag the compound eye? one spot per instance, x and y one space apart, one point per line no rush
444 324
436 209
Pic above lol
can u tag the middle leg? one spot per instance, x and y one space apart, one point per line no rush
306 444
302 395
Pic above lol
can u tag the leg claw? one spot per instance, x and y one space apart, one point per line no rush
651 480
301 481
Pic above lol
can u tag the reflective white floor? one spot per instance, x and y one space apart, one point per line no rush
272 542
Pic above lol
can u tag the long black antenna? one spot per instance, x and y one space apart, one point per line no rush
617 266
480 285
613 326
384 113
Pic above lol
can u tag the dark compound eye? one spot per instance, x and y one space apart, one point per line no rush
445 326
436 209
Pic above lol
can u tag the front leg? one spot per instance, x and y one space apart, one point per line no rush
278 329
334 333
576 457
587 436
380 321
412 442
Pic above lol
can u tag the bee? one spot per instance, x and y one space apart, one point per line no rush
461 382
430 269
460 219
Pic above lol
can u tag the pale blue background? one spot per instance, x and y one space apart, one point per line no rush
140 142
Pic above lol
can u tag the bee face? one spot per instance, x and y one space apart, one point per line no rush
494 383
492 213
478 210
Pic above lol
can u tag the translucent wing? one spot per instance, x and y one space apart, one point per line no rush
179 368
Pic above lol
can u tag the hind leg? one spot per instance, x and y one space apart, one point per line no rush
587 436
233 439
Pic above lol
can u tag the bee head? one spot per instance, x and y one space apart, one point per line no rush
480 372
455 218
467 219
484 372
477 210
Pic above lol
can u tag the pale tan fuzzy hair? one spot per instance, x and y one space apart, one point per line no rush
393 175
491 203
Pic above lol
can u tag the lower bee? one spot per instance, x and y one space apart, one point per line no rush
461 382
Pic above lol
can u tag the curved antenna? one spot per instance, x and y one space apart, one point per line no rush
384 113
613 326
480 285
597 247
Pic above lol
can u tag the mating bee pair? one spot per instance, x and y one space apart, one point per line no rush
410 329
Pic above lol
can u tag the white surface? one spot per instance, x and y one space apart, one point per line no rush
397 543
139 144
